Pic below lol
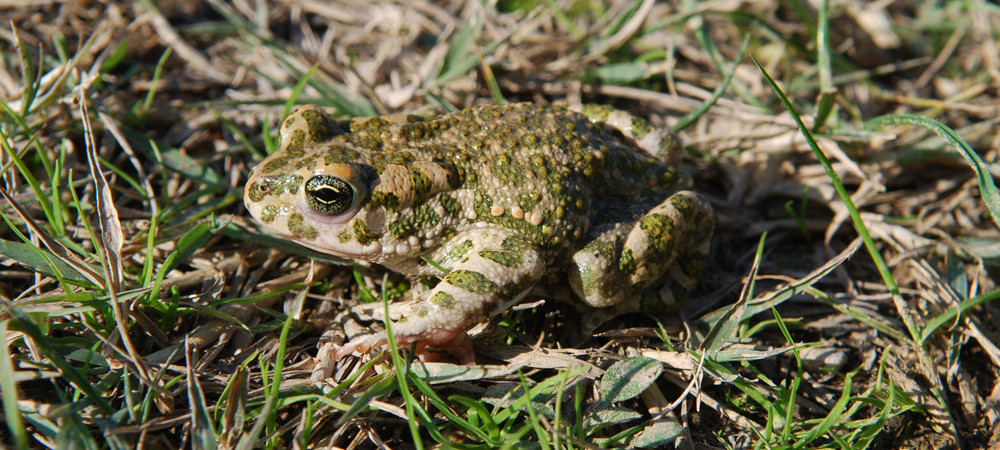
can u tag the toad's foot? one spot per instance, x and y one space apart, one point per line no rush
454 342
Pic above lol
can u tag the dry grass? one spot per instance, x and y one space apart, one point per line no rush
174 322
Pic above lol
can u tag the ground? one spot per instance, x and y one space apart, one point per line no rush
847 300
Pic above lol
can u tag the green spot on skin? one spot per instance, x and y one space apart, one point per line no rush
587 280
482 204
659 232
339 154
401 228
300 229
364 235
385 199
291 150
273 165
604 248
404 159
458 252
511 174
594 112
274 185
416 131
468 280
255 192
626 264
517 243
421 186
640 127
504 258
528 200
682 204
451 206
344 236
367 123
293 183
294 147
269 213
443 299
423 217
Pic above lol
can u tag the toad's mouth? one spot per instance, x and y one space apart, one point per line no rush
366 253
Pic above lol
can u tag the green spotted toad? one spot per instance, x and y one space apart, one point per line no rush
498 196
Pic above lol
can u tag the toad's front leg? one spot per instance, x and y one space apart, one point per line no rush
489 270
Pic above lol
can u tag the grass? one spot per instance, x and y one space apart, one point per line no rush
140 306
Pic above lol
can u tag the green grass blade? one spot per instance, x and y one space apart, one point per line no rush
793 390
297 89
859 224
191 242
400 373
827 91
439 403
489 431
376 387
71 373
690 117
831 419
154 86
803 284
459 59
987 187
724 327
703 36
8 392
22 167
532 415
950 315
29 77
279 366
41 260
202 429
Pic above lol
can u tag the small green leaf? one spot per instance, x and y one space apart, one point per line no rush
192 241
621 73
613 415
628 378
176 160
460 57
658 435
982 247
955 275
40 260
189 243
235 415
202 428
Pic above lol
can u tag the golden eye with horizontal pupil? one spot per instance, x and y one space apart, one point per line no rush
329 195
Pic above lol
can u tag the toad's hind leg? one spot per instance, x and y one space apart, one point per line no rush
490 268
618 266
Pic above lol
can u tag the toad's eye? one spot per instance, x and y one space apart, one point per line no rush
329 195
